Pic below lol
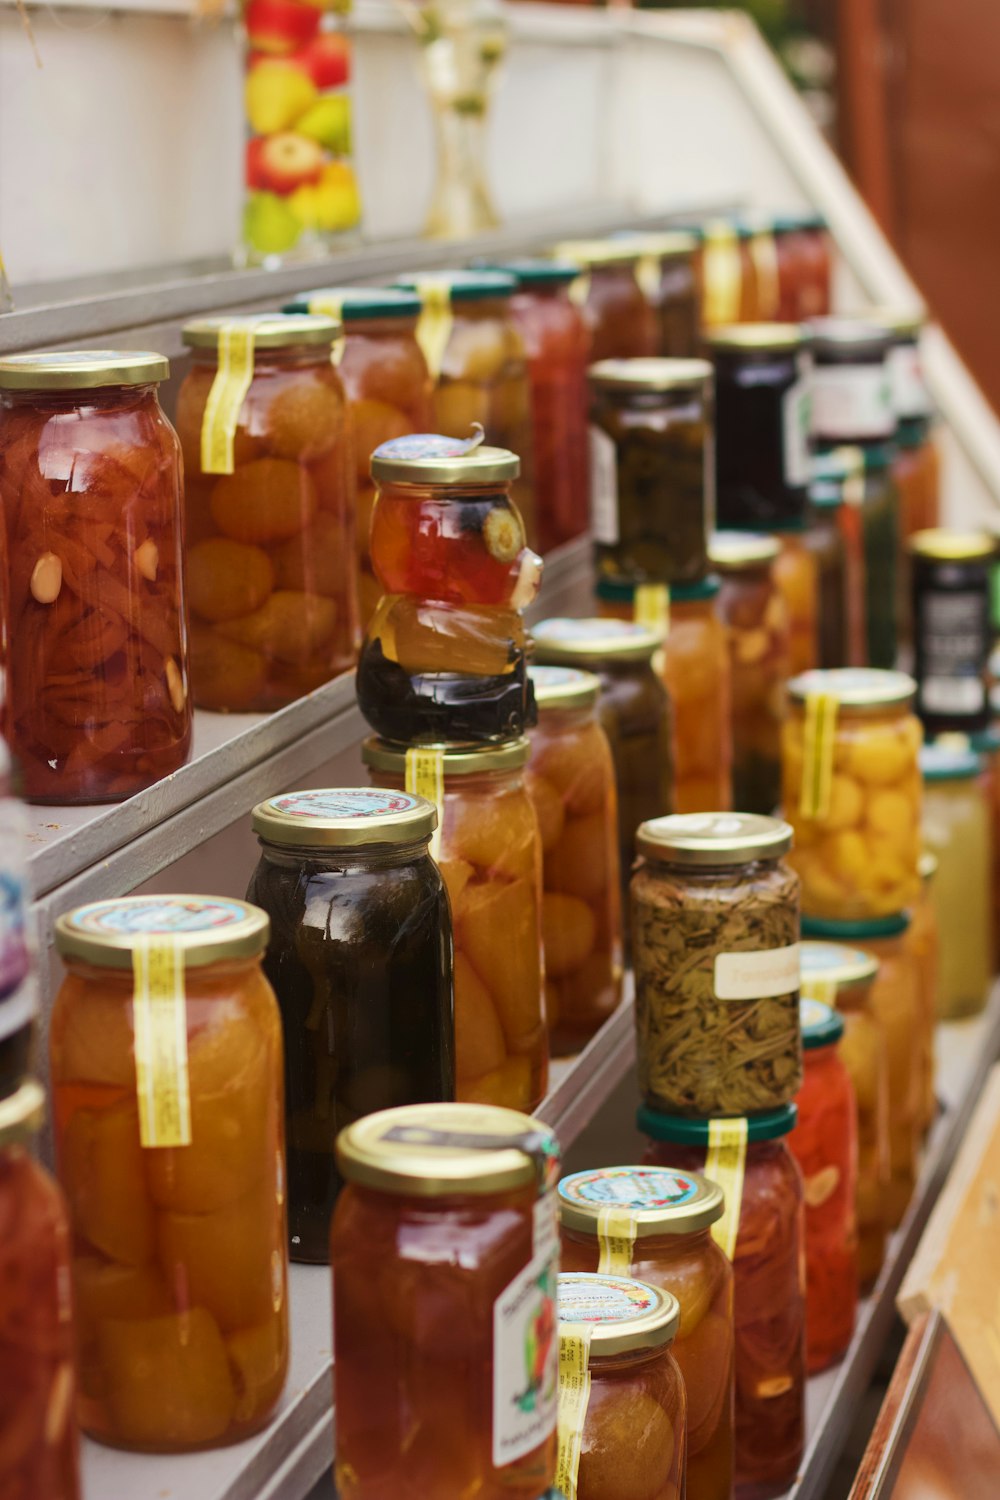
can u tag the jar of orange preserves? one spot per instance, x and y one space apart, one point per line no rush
797 575
98 705
655 1223
270 518
489 851
622 322
571 782
445 1253
167 1082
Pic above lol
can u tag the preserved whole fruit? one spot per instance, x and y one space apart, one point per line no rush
957 828
796 572
620 318
952 633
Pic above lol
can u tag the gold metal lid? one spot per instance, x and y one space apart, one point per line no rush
270 330
942 545
589 253
622 1314
927 865
81 369
651 374
856 689
739 551
439 1150
751 336
344 818
563 687
903 322
661 1200
562 641
22 1113
713 839
459 760
662 244
209 929
836 964
431 458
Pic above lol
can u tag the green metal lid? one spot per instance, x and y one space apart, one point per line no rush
789 222
767 1126
856 932
821 1025
913 432
948 762
566 642
462 285
349 304
537 272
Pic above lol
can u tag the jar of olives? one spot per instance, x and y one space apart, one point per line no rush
621 319
952 633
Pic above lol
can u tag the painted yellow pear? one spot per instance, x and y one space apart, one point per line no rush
277 93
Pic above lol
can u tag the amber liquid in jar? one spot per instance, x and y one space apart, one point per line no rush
698 676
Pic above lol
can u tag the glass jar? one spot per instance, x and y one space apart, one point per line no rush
762 460
838 489
17 981
489 850
958 830
629 1436
90 492
654 1224
445 1255
360 961
951 573
924 941
270 510
851 789
763 1233
824 538
825 1145
719 1033
697 674
836 975
571 782
805 269
622 322
756 621
916 467
39 1457
166 1057
987 746
797 574
667 271
444 653
727 274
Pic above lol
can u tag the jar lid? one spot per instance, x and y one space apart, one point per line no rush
790 221
81 369
943 545
845 968
986 741
22 1113
864 929
587 253
821 1025
459 760
349 304
720 228
622 1314
927 865
661 244
736 551
432 458
690 593
434 1150
840 464
857 336
856 689
663 1200
537 271
461 285
651 374
344 818
826 494
712 839
563 687
748 337
270 330
939 762
683 1131
562 640
905 323
207 929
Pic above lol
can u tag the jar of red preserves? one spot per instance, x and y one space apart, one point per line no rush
90 488
445 1254
39 1457
270 501
805 266
621 320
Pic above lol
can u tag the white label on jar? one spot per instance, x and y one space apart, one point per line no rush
545 1226
952 695
526 1358
954 645
796 420
603 488
910 396
852 401
757 976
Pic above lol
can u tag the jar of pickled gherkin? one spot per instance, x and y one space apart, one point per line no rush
916 467
651 471
655 1224
924 942
628 1434
797 575
756 621
270 510
360 960
489 850
39 1458
444 653
444 1250
952 635
669 275
718 1033
166 1058
621 320
958 830
851 789
762 1231
824 538
571 782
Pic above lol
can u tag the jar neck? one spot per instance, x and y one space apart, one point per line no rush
104 976
628 1360
711 874
496 492
371 857
559 720
98 398
381 328
296 357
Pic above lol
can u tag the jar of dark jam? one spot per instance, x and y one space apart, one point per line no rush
668 274
621 320
651 472
825 540
761 424
951 615
360 958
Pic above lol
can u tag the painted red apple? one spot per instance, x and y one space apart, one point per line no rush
288 160
278 26
327 60
256 172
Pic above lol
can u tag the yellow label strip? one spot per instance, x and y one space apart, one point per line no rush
574 1397
579 290
647 274
425 778
854 484
651 605
817 749
723 275
725 1163
616 1231
160 1023
331 307
817 987
764 255
229 389
435 321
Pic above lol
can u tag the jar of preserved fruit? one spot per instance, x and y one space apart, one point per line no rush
489 850
762 460
719 1033
270 510
445 1254
90 492
17 981
825 1145
360 960
987 746
958 830
444 653
951 573
654 1223
797 574
165 1049
756 621
39 1457
851 789
836 975
824 538
571 782
621 320
924 941
805 270
763 1233
916 467
626 1433
729 293
697 673
668 274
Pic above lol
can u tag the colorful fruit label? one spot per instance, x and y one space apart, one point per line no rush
435 322
651 606
161 1060
725 1163
419 445
158 916
525 1358
574 1398
631 1187
819 736
344 802
424 777
852 401
759 975
226 397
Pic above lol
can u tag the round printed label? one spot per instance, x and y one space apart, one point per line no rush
814 1014
587 1298
344 802
630 1187
820 959
552 677
565 629
159 914
417 445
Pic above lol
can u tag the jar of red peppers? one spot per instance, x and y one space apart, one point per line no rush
39 1457
270 510
762 1231
621 320
445 1254
98 705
